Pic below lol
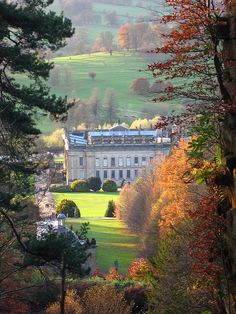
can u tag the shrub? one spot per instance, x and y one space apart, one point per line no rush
140 86
136 296
109 186
94 183
80 186
110 209
68 208
140 269
105 299
157 87
73 304
112 274
59 188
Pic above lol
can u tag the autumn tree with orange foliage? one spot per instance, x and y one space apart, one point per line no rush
195 57
182 237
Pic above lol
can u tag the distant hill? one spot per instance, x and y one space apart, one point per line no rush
71 77
90 18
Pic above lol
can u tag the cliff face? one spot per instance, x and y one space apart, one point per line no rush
228 34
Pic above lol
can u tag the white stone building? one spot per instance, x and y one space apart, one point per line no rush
118 153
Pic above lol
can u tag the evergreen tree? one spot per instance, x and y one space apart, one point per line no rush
27 32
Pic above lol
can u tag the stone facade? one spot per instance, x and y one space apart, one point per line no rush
118 154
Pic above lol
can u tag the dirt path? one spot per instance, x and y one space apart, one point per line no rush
44 198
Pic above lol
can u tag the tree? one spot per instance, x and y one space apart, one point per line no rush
110 106
140 86
110 212
28 30
80 186
132 35
61 250
104 42
68 207
94 183
109 186
112 18
124 36
195 52
95 103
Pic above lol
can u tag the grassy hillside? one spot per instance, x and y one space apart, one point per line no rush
125 13
116 72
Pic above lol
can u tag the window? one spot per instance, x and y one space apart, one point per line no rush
143 161
74 162
128 174
105 162
135 172
81 161
151 158
97 162
113 162
81 174
97 173
128 162
136 161
120 161
120 174
105 174
113 174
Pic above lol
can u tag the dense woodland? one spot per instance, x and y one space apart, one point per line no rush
181 207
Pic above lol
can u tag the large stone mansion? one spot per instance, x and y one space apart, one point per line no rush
118 153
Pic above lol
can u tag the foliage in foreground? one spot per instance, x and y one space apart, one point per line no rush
181 232
98 299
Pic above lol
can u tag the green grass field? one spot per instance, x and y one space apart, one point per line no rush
116 72
113 240
90 204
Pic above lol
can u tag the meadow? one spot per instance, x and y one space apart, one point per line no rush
113 239
115 72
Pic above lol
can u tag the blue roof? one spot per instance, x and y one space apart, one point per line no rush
77 140
123 133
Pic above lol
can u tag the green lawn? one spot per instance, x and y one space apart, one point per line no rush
113 240
90 204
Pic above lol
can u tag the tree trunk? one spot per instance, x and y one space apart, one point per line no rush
63 279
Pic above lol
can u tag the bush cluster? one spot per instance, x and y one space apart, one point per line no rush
59 188
92 183
80 186
109 186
